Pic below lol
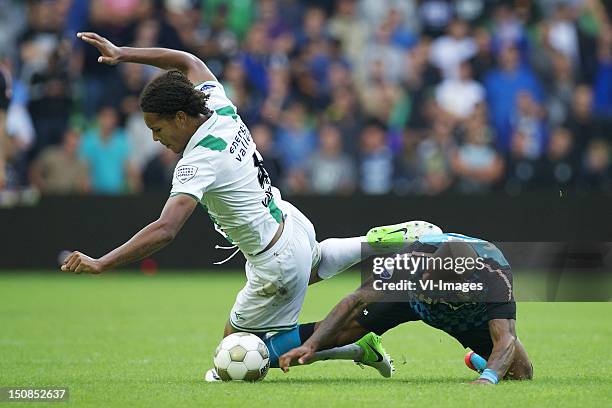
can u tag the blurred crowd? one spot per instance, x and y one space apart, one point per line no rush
343 96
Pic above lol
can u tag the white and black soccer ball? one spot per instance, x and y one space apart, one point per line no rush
242 357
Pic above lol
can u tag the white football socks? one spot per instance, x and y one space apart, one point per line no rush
349 352
339 254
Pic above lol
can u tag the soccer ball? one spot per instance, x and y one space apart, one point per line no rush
242 357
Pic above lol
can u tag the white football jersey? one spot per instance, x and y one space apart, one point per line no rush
222 169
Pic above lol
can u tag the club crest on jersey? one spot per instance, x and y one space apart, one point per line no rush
185 173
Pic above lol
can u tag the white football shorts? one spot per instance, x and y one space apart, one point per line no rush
277 279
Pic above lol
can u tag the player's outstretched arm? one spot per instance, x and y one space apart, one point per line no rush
147 241
504 339
325 334
164 58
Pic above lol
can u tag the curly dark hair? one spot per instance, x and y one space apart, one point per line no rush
171 92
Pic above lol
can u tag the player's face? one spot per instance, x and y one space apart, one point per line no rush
167 131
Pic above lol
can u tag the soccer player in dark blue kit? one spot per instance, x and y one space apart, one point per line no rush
473 304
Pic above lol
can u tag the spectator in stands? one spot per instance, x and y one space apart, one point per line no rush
238 91
483 61
12 21
558 167
503 86
278 96
40 37
339 74
476 163
563 33
381 59
313 28
529 122
596 173
295 137
434 153
602 86
106 151
345 113
5 97
158 172
521 166
262 136
508 29
218 41
581 122
239 14
58 169
19 124
15 139
560 88
377 11
113 19
329 170
275 20
435 16
375 161
254 59
300 66
420 78
406 170
50 100
459 96
352 31
541 54
470 11
142 146
401 34
379 95
449 51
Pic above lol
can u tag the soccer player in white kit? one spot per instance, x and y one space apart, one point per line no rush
187 110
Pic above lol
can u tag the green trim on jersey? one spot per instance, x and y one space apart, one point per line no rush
276 213
213 143
263 329
227 111
187 194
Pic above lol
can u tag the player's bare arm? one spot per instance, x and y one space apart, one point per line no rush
146 242
324 336
504 339
164 58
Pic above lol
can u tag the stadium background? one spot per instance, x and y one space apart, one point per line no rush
492 118
359 113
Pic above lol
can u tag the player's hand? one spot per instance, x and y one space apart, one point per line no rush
302 354
110 52
78 262
481 381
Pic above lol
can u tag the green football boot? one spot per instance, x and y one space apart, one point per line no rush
392 237
374 355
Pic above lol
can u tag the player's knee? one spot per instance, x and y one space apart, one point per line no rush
521 368
529 372
524 367
523 371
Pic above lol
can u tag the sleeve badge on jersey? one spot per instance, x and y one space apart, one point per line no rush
185 173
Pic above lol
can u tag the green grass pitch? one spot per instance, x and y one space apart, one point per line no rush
135 340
